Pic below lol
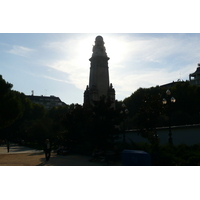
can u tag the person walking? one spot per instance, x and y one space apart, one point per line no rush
8 146
47 149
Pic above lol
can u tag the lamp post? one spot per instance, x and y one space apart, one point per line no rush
124 111
169 100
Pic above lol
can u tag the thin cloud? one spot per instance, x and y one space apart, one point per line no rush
145 49
55 79
154 61
77 75
75 59
20 51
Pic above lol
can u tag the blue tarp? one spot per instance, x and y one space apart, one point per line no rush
135 158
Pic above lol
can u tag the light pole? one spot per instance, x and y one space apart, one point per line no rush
169 100
124 111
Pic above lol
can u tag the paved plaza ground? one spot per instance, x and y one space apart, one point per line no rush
23 156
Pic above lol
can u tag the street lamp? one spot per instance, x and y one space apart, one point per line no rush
124 111
169 100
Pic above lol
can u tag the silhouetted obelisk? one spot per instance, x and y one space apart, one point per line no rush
99 86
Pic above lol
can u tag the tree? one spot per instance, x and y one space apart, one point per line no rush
145 105
10 104
101 123
187 107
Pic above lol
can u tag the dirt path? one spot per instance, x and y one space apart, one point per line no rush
25 159
38 159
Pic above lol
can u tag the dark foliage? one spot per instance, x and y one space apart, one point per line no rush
10 104
89 128
147 111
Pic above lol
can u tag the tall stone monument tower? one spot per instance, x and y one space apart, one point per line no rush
99 86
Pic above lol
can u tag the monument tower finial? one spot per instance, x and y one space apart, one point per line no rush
99 48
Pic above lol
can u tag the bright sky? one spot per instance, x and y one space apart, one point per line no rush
58 64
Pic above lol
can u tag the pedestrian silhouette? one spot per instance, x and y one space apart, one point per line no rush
47 149
8 146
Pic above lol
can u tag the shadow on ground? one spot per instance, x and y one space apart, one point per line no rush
35 154
71 160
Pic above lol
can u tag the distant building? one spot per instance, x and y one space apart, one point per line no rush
195 77
168 85
47 102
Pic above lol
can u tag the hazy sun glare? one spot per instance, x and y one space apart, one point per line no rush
115 48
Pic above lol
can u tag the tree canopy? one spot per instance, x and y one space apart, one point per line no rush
146 108
10 104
